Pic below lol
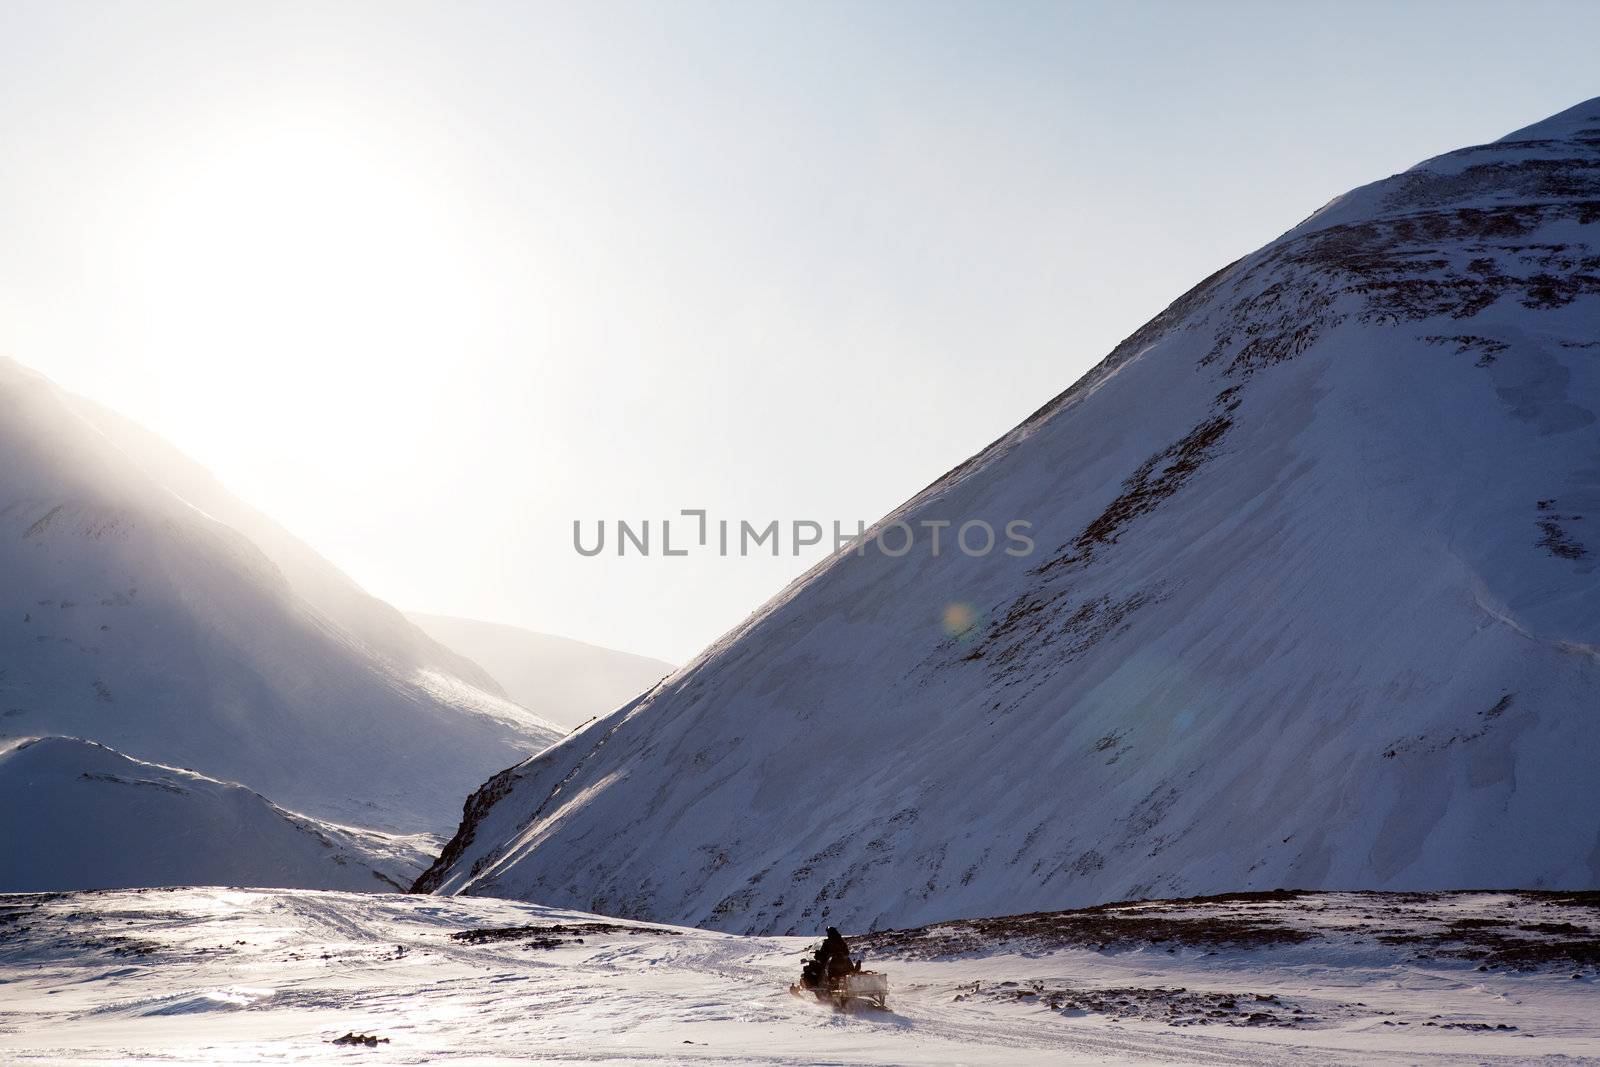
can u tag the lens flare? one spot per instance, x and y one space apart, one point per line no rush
959 618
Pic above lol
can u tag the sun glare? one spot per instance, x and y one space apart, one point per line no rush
300 270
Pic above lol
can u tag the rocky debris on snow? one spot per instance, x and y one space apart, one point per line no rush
1523 931
1176 1006
1110 926
551 935
353 1038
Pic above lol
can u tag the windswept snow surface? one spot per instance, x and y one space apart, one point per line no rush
77 815
566 681
232 976
1315 602
134 615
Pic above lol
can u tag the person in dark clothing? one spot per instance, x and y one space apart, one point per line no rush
830 963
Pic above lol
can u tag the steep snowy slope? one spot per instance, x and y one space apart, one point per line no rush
566 681
380 626
131 617
1314 603
77 815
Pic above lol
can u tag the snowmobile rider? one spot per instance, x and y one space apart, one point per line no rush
831 962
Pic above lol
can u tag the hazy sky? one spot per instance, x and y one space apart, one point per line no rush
428 282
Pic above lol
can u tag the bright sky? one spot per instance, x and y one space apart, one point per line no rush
427 282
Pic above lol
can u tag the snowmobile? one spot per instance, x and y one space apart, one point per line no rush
847 991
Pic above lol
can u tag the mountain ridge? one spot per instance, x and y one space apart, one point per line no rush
140 620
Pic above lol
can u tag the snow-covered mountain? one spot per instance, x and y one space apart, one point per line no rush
136 614
566 681
77 815
1315 602
379 626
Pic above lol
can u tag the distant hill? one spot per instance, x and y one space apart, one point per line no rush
77 815
565 681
